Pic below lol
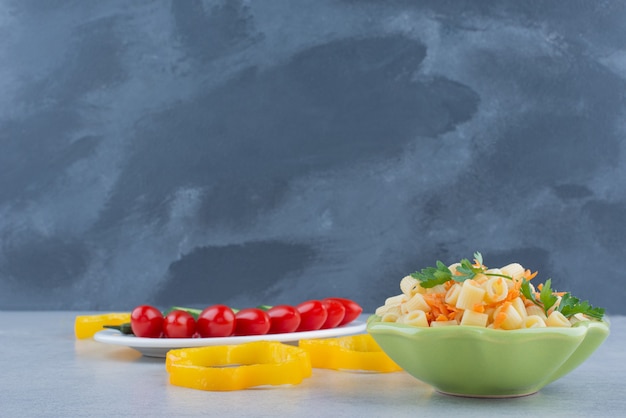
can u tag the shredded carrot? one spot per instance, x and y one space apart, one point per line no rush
528 275
434 313
439 307
514 292
479 307
441 318
502 315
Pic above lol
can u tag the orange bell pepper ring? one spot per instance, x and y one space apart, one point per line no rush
236 367
356 352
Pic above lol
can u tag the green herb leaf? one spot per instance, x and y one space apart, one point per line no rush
547 297
433 276
570 306
466 271
528 293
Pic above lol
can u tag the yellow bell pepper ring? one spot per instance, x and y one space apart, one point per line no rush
236 367
356 352
85 326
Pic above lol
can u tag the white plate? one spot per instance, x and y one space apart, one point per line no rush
158 347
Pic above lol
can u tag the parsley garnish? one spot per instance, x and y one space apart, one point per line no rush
570 305
546 296
528 293
468 270
433 276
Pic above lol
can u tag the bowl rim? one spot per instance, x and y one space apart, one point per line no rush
375 324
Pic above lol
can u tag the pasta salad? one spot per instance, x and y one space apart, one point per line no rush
471 294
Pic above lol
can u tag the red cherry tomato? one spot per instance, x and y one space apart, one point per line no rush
252 321
216 321
312 315
336 312
146 321
179 324
353 310
283 319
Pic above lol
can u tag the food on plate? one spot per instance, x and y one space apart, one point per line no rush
223 321
216 321
252 321
283 319
471 294
179 324
354 352
85 326
313 314
352 310
335 313
236 367
146 321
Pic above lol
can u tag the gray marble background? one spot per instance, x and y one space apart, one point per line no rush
247 152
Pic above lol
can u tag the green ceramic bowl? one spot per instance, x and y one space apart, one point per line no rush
482 362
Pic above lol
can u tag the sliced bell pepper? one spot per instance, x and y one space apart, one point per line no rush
356 352
85 326
235 367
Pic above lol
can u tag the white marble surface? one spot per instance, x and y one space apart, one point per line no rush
46 372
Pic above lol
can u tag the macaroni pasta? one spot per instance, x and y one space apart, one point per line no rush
493 298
